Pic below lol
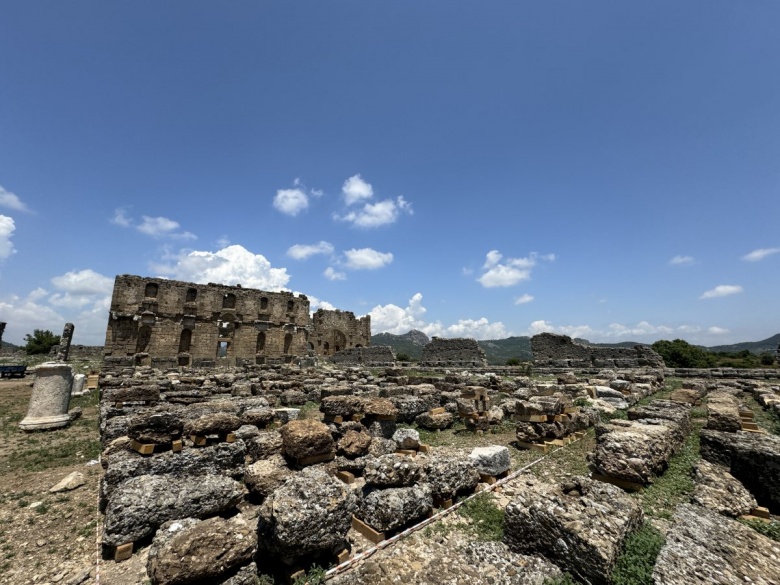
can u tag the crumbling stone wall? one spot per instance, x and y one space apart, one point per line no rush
457 352
166 323
551 350
377 356
334 331
2 329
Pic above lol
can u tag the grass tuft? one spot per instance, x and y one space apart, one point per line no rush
635 564
487 519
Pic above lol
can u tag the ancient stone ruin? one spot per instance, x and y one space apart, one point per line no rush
64 347
559 351
456 352
167 323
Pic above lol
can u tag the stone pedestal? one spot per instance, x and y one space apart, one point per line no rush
79 380
50 398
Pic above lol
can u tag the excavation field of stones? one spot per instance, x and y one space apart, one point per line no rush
278 473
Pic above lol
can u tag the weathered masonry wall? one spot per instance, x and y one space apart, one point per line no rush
457 352
376 356
334 331
552 350
168 323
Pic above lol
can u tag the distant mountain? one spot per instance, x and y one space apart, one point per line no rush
409 343
10 346
616 344
767 345
498 351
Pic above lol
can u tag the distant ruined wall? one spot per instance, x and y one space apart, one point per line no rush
551 350
458 352
334 331
376 355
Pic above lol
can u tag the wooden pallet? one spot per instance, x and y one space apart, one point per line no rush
621 483
92 381
373 535
491 479
346 476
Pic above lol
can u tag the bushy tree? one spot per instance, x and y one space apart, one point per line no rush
767 359
41 341
513 362
681 354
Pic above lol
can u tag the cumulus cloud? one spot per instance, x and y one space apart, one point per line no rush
367 259
642 332
397 320
155 227
717 331
502 272
682 261
81 288
11 200
333 274
291 201
523 299
722 290
315 303
378 214
7 227
542 326
760 254
232 265
303 251
355 189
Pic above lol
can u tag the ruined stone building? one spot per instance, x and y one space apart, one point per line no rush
168 323
560 351
456 352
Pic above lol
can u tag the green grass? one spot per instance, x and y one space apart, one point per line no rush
56 455
661 497
766 419
768 529
635 564
313 576
565 579
487 519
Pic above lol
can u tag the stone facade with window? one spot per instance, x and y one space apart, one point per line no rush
168 323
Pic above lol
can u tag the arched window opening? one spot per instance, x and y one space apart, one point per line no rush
144 337
229 301
151 290
261 342
263 303
185 340
287 343
192 295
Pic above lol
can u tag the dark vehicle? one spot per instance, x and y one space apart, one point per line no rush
13 371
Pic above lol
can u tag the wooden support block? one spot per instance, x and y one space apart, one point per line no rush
621 483
532 446
755 518
756 430
357 417
367 531
443 504
228 438
409 452
338 419
384 417
439 410
423 448
177 446
571 410
556 442
343 556
592 392
749 426
488 479
123 552
760 512
199 440
746 414
579 434
531 417
346 476
296 576
142 448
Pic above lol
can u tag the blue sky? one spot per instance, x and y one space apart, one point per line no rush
602 169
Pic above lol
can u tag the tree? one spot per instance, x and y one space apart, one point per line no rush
681 354
41 341
513 362
767 359
403 357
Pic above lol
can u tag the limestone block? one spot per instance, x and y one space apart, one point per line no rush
48 408
716 489
450 474
306 438
491 460
407 438
392 470
388 509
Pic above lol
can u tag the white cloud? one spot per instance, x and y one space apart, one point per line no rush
523 299
367 259
355 189
717 331
291 201
81 288
682 261
158 227
315 303
397 320
760 254
501 272
377 214
543 326
232 265
24 314
11 200
7 227
332 274
303 251
722 290
121 217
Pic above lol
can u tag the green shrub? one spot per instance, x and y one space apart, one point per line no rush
768 529
635 564
41 341
513 362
